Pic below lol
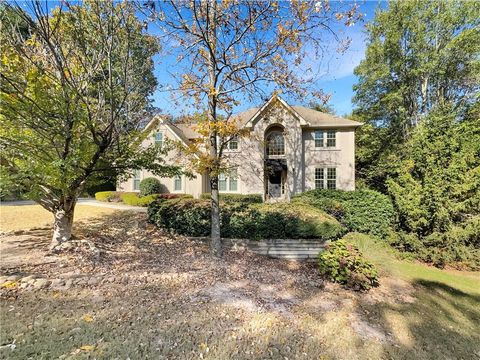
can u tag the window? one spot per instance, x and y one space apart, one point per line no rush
136 180
331 178
325 138
222 182
232 181
319 178
331 138
159 139
276 143
229 183
318 138
326 178
233 143
177 183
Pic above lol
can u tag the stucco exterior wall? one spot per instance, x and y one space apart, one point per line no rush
342 157
301 155
193 186
251 155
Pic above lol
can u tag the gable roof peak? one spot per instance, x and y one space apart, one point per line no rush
275 96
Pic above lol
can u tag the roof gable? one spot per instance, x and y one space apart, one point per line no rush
274 100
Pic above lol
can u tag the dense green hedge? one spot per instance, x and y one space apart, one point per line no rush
249 221
236 198
150 186
459 246
134 199
107 196
364 211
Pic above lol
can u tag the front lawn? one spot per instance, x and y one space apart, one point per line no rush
162 296
24 217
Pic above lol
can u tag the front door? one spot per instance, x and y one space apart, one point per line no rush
275 184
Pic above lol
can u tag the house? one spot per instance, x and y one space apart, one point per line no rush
289 149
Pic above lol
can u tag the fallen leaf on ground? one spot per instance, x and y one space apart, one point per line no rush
87 318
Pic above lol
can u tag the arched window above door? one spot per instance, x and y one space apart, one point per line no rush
275 143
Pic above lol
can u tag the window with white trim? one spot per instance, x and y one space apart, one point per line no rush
319 178
318 138
326 178
222 182
331 138
233 181
276 143
177 183
325 138
228 183
233 143
136 179
159 139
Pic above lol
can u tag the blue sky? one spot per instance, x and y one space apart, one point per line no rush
336 69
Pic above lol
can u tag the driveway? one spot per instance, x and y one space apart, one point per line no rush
81 201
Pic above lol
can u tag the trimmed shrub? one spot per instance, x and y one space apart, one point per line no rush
134 200
247 221
184 216
150 186
108 196
364 211
236 198
343 263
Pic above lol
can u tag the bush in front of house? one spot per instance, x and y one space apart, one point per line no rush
150 186
236 198
246 221
365 211
108 196
133 199
167 196
189 217
343 263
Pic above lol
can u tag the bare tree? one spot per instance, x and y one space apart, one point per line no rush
235 48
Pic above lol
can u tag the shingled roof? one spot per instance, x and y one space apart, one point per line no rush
309 117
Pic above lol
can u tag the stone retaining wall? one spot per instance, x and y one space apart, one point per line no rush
291 249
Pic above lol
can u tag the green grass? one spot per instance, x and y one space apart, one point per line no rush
387 260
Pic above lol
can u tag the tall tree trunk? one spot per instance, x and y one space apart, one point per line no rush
62 224
216 244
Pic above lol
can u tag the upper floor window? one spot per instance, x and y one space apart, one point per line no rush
177 183
326 178
233 143
136 180
325 138
276 143
159 139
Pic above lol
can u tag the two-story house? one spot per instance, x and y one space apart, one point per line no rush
289 149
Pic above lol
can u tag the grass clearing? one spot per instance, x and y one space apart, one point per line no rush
24 217
388 262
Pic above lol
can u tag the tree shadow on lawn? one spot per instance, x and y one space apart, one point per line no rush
442 323
147 322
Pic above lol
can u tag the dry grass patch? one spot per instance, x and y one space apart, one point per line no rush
171 300
25 217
